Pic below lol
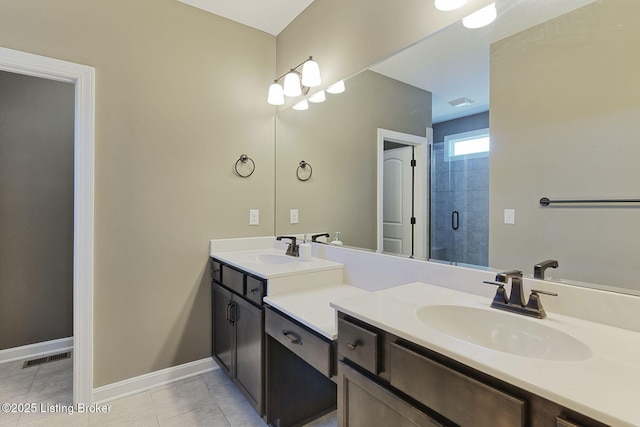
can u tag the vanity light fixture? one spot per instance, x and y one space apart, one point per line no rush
447 5
295 82
481 18
336 88
318 97
302 105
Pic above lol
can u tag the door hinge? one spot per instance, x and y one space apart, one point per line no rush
413 220
413 163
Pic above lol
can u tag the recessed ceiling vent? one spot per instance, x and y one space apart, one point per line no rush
461 102
46 359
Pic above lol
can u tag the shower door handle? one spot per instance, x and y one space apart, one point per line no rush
455 220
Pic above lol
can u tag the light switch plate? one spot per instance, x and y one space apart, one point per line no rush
293 216
254 216
509 216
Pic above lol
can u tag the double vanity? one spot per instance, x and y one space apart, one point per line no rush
391 341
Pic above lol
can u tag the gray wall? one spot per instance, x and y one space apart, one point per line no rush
339 139
463 186
564 124
180 95
36 210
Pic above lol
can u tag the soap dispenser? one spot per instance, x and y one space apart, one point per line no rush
304 251
336 240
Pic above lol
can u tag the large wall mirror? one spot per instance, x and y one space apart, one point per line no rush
553 85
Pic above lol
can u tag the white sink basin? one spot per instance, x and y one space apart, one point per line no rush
271 259
505 332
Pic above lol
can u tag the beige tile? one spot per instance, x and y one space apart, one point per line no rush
53 382
51 415
134 410
8 419
328 420
184 397
208 415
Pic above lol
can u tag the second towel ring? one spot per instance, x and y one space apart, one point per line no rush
244 159
302 166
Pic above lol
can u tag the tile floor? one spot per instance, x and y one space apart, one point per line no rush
208 399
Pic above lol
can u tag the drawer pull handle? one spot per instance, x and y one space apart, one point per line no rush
295 339
254 290
352 346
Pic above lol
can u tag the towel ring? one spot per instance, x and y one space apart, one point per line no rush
302 166
244 159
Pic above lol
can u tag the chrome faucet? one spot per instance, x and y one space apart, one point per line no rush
539 268
292 249
516 302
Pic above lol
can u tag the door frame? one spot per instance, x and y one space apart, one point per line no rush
83 78
421 144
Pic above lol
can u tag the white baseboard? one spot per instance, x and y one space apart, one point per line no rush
35 350
154 379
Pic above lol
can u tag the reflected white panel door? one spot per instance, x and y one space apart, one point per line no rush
397 198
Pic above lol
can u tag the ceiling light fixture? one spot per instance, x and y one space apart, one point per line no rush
295 82
461 102
336 88
318 97
447 5
302 105
481 18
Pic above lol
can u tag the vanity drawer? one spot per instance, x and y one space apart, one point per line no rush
358 345
233 279
461 399
216 270
313 349
255 290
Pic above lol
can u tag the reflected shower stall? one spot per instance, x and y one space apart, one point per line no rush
459 191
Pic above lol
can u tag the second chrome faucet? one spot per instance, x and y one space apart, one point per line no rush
516 301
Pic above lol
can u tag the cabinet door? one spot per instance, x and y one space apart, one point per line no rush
223 329
249 376
364 403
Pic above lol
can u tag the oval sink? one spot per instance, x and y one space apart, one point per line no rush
271 259
505 332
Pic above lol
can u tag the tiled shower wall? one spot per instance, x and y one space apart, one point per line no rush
463 186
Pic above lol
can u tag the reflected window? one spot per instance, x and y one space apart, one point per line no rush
467 145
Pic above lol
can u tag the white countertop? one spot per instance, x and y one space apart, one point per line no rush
245 260
605 386
312 309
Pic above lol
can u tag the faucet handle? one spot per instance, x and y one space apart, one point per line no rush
538 291
501 295
535 304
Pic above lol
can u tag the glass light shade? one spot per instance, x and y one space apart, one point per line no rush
481 18
311 74
447 5
318 97
276 95
336 88
292 85
302 105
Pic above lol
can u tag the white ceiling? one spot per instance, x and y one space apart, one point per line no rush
270 16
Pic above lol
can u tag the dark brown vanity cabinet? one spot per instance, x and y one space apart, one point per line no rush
385 380
300 368
238 330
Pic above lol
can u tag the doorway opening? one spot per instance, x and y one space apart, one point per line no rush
82 77
402 219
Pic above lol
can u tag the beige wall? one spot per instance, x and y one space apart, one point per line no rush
180 95
36 210
338 138
564 124
346 37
